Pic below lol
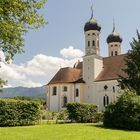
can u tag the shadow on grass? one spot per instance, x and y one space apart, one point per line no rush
110 128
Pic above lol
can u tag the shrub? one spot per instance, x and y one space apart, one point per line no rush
98 117
124 113
51 115
63 115
79 112
18 112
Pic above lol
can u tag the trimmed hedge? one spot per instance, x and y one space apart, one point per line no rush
83 113
124 113
18 112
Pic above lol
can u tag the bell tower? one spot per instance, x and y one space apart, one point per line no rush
92 36
114 42
92 61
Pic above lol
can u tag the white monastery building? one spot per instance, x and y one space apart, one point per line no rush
92 81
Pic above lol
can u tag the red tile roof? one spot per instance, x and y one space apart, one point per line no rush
67 75
112 68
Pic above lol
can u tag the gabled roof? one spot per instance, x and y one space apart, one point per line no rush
112 68
67 75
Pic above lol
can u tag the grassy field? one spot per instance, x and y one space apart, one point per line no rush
66 132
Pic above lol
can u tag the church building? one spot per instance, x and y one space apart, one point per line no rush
94 80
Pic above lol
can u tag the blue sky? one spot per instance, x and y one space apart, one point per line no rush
51 45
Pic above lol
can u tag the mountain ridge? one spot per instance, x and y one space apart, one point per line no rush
33 92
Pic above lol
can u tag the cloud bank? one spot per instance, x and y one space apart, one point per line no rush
71 53
40 68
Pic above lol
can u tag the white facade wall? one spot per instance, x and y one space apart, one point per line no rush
100 92
88 77
96 90
90 36
77 98
92 66
56 102
114 47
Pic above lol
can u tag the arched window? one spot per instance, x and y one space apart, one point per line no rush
54 92
113 89
65 101
93 43
77 93
105 100
88 43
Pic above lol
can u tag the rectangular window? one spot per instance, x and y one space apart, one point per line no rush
54 92
77 93
113 89
116 53
65 88
93 43
88 43
105 100
65 101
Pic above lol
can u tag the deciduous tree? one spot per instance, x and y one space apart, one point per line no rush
17 17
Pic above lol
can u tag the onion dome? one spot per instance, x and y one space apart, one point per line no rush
114 36
92 24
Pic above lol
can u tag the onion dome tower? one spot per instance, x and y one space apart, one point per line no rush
92 36
114 43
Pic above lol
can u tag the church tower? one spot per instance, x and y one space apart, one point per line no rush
92 36
114 43
92 61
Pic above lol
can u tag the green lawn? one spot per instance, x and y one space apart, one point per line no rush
66 132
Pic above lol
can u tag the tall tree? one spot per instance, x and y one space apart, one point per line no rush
132 81
17 17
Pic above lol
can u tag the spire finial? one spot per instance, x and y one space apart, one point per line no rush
113 25
91 11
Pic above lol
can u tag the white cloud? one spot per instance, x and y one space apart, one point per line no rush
40 68
7 72
30 83
70 52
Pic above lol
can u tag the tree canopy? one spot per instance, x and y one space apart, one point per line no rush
124 113
132 81
17 17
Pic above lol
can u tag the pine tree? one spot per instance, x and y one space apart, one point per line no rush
132 81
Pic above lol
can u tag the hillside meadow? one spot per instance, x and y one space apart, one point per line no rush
66 132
